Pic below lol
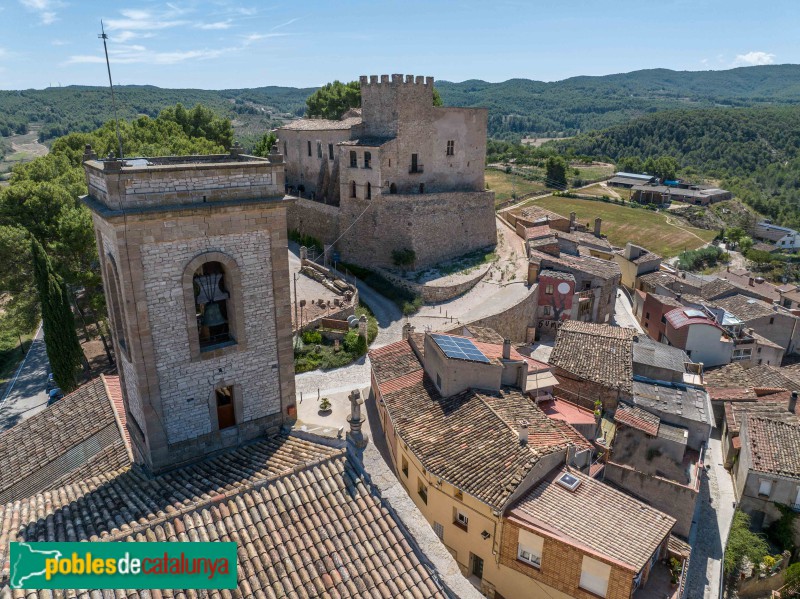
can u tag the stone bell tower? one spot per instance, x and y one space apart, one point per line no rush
193 252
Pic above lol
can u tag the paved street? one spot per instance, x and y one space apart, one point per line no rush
28 395
711 525
623 313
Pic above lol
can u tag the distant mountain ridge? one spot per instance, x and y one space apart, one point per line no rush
517 107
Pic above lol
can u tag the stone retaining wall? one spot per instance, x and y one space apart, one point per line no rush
515 322
431 292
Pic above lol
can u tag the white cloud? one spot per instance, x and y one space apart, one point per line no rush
215 26
289 22
140 54
254 37
143 20
753 58
58 43
45 8
126 36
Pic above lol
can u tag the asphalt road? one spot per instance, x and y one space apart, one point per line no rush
27 396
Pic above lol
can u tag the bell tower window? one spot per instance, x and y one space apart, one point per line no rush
211 306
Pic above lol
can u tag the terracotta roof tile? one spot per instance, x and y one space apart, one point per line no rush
604 269
745 308
591 516
305 124
637 418
595 352
774 445
441 432
40 452
306 521
761 375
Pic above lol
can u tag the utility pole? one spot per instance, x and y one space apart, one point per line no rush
104 37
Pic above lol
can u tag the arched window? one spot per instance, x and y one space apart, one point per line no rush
115 300
211 305
369 191
353 189
392 188
212 286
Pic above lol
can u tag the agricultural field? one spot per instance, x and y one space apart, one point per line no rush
19 149
659 232
503 184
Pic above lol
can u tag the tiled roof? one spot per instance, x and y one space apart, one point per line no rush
741 278
75 438
534 213
718 288
443 432
666 300
646 257
603 269
775 406
538 231
637 418
595 352
650 352
680 317
761 375
306 521
592 516
585 238
660 278
321 124
745 308
484 334
675 434
731 393
774 446
561 276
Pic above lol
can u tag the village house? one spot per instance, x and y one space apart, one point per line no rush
663 282
767 320
629 180
491 502
698 195
740 281
768 470
405 169
635 261
784 238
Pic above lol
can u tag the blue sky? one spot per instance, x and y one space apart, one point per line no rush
215 44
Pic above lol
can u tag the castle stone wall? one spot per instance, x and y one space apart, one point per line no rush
321 221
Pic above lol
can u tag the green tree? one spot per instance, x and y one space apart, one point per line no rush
21 308
735 235
761 258
791 589
745 244
556 172
264 145
630 164
63 349
332 100
663 167
743 543
200 121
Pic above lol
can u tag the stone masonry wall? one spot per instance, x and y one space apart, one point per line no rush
514 322
671 498
321 221
185 385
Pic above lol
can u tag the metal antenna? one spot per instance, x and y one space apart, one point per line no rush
104 37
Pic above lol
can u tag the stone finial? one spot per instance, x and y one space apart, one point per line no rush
362 326
237 149
408 328
89 153
303 254
355 436
111 164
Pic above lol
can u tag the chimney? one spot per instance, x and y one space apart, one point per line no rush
407 330
679 294
598 222
572 217
522 427
506 349
793 402
750 282
728 268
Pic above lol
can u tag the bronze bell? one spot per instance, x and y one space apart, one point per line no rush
212 316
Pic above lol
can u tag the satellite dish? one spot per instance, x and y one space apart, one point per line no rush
563 288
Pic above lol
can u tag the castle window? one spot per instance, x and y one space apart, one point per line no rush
353 189
319 149
451 147
422 188
226 413
367 159
392 188
369 191
330 151
211 305
309 147
353 159
416 167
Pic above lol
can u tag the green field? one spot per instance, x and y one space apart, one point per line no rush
657 231
503 184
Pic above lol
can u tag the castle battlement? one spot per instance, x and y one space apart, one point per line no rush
395 80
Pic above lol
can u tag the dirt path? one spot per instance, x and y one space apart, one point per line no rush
672 224
29 144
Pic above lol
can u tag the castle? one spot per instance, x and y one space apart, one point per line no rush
397 174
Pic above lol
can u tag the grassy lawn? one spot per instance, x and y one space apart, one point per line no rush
589 173
622 224
599 191
502 184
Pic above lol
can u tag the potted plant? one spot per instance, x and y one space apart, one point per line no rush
324 405
675 567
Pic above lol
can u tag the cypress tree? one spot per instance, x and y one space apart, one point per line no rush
63 349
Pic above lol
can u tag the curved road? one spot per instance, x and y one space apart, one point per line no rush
26 395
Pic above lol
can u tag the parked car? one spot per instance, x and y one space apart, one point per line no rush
55 394
51 383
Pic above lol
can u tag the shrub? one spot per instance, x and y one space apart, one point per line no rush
742 542
792 582
355 343
404 257
312 337
780 531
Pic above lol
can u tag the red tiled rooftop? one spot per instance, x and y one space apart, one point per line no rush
679 319
559 409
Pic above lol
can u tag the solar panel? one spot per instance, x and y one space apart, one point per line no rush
459 348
